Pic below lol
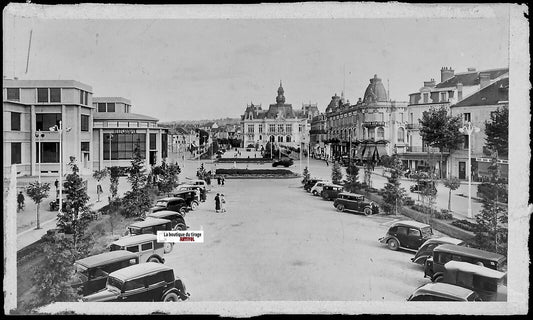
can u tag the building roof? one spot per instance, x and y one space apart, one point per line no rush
179 130
375 91
17 83
139 270
106 258
490 95
111 99
471 78
122 116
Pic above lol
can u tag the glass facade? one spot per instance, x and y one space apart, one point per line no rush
55 95
15 121
123 145
153 143
50 152
46 120
42 94
16 153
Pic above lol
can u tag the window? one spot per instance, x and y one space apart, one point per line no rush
86 101
101 107
280 128
46 120
288 138
15 121
467 117
414 232
271 128
84 122
288 128
134 284
260 129
402 230
250 128
153 279
146 246
426 97
443 96
81 97
401 133
110 107
280 138
153 137
55 95
42 95
85 146
50 152
465 141
300 128
13 94
164 145
134 248
381 133
16 153
123 145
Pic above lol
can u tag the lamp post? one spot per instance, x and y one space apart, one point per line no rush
60 130
39 135
468 129
110 138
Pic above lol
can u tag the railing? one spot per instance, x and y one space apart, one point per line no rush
424 149
374 123
413 126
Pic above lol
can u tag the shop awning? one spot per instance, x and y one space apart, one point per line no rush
381 150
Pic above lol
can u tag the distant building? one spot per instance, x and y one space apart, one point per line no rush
318 136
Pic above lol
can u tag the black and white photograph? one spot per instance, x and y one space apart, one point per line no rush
270 158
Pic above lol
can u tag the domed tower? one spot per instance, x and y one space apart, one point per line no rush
333 104
280 99
375 92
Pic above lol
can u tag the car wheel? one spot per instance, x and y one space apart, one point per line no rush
367 211
194 205
393 244
182 211
340 207
315 193
437 278
167 247
171 297
154 259
180 226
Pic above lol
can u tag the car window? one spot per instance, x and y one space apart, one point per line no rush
393 230
158 245
153 279
444 258
134 284
402 231
426 232
114 247
414 232
161 203
98 273
168 275
146 246
134 248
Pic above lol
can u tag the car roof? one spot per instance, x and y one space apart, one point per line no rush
169 199
351 194
149 222
139 270
333 185
472 252
179 192
129 240
161 214
410 223
443 240
106 258
444 290
474 268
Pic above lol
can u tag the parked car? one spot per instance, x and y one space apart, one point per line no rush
151 226
317 188
202 193
310 183
355 202
176 219
444 253
426 249
489 284
143 282
422 185
443 292
190 197
283 162
408 235
197 182
145 246
91 272
331 191
171 204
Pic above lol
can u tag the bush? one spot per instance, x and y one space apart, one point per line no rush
372 190
488 190
443 215
465 225
409 201
254 172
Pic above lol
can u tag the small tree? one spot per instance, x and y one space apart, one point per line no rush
114 175
394 194
306 175
166 176
37 192
497 131
453 184
137 201
99 175
336 173
352 177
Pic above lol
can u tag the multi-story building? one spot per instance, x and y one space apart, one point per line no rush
279 124
318 136
452 89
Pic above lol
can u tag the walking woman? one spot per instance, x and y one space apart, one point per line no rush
222 203
217 203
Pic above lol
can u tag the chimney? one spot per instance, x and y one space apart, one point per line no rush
430 84
471 69
459 91
446 73
484 79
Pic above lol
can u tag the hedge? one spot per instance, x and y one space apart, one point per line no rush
254 171
465 225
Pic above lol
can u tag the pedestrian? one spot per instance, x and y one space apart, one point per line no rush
217 203
56 184
223 179
222 203
327 164
218 180
20 201
99 191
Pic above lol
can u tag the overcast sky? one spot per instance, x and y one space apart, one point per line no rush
184 69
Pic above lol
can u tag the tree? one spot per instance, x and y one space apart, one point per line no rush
497 131
352 178
336 173
440 130
453 184
394 194
37 192
99 175
137 200
306 175
114 175
166 176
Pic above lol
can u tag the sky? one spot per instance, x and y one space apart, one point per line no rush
192 69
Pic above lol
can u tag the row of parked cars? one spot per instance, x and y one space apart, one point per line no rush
457 272
133 269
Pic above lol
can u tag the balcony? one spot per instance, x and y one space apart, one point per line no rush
413 126
419 149
372 124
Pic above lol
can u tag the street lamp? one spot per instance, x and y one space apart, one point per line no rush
60 130
468 129
109 138
39 135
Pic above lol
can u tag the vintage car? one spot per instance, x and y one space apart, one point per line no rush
444 253
284 162
151 226
176 219
197 182
201 192
310 183
426 249
489 284
408 235
347 201
423 185
91 272
145 246
317 188
331 191
171 204
190 197
143 282
443 292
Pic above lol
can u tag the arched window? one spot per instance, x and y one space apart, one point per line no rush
380 133
288 139
260 137
272 139
280 138
401 134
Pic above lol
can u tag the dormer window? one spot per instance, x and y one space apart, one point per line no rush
425 97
